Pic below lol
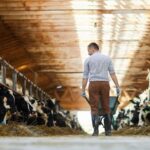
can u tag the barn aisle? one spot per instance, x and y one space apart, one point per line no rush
47 69
75 143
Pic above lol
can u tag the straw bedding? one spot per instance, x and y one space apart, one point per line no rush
15 129
132 131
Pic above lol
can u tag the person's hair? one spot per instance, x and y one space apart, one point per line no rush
93 45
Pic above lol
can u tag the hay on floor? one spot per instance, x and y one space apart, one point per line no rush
24 130
131 131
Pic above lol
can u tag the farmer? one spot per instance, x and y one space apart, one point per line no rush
96 68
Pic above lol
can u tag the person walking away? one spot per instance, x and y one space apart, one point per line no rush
96 69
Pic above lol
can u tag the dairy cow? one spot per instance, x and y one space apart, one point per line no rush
7 103
144 115
24 108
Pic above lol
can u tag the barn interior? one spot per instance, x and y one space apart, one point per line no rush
46 40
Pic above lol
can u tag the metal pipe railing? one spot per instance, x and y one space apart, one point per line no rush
39 93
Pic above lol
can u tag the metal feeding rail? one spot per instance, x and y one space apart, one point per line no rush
38 94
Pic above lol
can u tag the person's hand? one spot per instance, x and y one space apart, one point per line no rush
83 94
118 91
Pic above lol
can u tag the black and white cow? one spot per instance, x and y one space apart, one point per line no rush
24 108
144 115
121 119
28 110
7 103
141 111
33 112
137 113
59 119
49 111
129 116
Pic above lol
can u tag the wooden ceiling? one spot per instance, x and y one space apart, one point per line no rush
49 38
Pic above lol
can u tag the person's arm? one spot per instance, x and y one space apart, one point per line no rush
115 80
85 76
112 73
114 77
84 84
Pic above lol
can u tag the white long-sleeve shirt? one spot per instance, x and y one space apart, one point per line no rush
97 67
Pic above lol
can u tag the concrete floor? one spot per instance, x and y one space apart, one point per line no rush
75 143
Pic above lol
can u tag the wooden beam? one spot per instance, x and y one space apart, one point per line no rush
68 4
24 86
3 71
71 11
31 90
14 78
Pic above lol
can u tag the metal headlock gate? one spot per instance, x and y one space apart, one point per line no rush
38 94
